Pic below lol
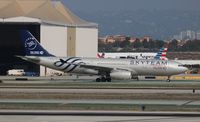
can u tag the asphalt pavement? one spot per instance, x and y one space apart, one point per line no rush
96 116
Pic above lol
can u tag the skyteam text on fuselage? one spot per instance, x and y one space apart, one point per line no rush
107 69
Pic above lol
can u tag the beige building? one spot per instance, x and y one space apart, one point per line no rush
60 31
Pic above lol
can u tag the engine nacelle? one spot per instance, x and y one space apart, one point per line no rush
121 75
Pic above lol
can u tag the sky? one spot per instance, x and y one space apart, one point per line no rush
96 11
114 5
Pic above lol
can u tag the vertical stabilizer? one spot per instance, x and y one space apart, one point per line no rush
31 45
161 55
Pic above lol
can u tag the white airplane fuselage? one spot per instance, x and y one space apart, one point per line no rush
135 67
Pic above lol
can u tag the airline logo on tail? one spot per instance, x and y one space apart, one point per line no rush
101 55
162 54
31 45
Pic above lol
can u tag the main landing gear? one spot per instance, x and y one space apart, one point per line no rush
103 79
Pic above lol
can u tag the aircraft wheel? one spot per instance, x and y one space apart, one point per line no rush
103 79
168 79
98 80
108 79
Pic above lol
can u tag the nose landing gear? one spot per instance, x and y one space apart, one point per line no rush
168 79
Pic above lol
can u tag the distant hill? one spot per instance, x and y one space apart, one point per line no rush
160 24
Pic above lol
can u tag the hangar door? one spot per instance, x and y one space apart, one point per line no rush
10 45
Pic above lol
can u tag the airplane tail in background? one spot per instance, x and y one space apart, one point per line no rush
162 54
31 45
101 55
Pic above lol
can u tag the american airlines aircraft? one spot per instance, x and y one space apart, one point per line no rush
107 69
160 55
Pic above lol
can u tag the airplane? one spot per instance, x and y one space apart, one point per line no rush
160 55
106 69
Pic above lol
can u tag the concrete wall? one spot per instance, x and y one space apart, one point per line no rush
86 42
71 41
54 40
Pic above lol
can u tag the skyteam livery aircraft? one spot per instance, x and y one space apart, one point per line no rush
107 69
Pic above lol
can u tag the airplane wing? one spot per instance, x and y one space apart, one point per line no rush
189 63
104 68
101 68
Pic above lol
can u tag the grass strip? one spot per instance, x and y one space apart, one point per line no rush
75 106
112 85
119 96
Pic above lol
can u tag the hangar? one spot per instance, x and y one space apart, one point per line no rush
60 31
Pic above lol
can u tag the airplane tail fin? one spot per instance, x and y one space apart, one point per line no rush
31 45
100 55
162 54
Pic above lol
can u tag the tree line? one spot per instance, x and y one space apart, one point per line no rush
149 46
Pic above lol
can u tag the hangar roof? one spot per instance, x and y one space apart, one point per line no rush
47 11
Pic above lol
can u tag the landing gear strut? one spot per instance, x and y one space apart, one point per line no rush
168 79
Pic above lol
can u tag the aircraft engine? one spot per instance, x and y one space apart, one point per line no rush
121 75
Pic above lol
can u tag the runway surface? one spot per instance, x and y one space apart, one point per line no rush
46 79
103 101
34 88
46 90
14 118
97 116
